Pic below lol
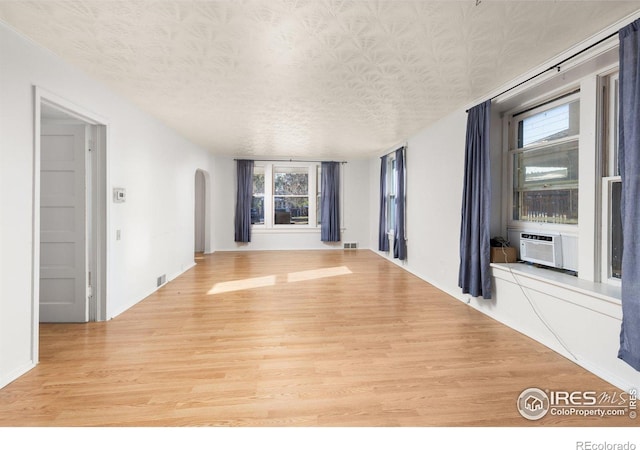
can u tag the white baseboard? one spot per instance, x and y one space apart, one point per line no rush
16 373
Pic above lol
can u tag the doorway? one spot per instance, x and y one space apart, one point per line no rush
70 214
201 213
65 218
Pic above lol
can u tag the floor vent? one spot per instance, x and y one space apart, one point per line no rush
162 279
350 245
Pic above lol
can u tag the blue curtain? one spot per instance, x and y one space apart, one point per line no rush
474 277
244 197
399 240
383 239
629 162
330 202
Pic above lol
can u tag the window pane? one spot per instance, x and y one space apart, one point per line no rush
258 180
543 168
391 212
615 225
393 181
257 210
257 202
546 184
291 181
318 190
291 210
614 129
552 206
546 126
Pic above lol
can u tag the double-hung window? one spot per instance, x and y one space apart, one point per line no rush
562 177
611 262
392 182
318 194
286 195
544 156
291 195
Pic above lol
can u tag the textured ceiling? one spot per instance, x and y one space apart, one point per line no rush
306 78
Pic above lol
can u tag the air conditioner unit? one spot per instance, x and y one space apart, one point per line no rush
545 249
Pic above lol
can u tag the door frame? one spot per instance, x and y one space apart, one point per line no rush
206 219
100 209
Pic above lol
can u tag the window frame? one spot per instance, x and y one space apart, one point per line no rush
286 166
607 236
269 196
255 195
608 120
391 191
584 247
512 118
318 195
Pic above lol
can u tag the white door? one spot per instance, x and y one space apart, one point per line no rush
63 248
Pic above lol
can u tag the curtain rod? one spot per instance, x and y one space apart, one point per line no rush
286 160
555 66
403 146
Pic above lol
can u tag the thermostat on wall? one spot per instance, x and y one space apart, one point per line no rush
119 195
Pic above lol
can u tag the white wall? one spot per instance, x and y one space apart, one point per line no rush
154 164
355 186
434 161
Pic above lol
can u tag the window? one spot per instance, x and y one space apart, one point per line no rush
392 178
257 202
611 184
544 158
318 195
560 161
286 195
291 195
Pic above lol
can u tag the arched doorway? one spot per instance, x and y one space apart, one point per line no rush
201 215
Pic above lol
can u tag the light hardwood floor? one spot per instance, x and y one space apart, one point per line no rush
325 338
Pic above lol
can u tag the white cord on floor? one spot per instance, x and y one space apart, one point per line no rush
535 310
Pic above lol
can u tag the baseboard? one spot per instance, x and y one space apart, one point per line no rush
180 272
304 249
456 295
15 374
139 298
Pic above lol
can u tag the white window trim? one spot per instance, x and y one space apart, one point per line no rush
612 135
390 183
608 173
592 261
269 227
511 151
606 236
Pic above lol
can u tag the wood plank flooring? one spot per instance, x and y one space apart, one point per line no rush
324 338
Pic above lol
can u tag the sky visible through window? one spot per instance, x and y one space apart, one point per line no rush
545 125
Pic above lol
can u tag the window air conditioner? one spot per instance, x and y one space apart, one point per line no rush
545 249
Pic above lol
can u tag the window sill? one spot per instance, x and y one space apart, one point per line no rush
542 227
527 273
285 229
288 230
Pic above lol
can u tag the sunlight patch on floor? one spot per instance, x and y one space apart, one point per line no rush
272 280
239 285
315 274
